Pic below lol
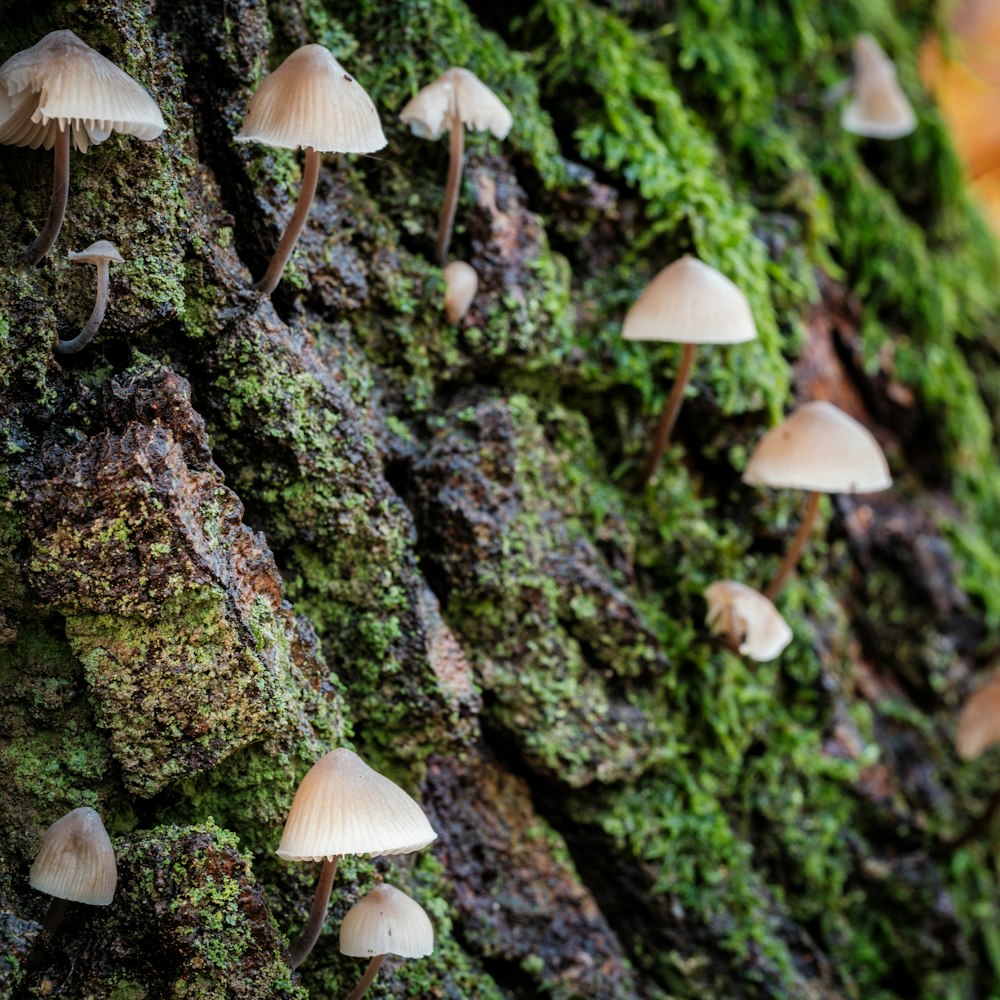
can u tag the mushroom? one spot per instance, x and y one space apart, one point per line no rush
384 922
979 721
100 254
455 100
461 284
687 303
61 91
749 622
879 108
821 449
343 807
76 863
309 101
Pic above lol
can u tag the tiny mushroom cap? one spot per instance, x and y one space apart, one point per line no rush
61 82
747 619
311 100
979 721
689 302
343 806
429 113
386 922
879 108
462 283
102 250
76 860
821 449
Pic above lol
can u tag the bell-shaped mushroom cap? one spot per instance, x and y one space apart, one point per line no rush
747 619
819 448
97 252
345 807
689 302
386 922
311 100
879 108
76 860
979 721
429 113
461 282
61 82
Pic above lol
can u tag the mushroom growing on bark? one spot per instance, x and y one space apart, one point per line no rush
58 92
456 100
821 449
384 922
748 621
100 254
309 101
879 108
343 806
461 285
687 303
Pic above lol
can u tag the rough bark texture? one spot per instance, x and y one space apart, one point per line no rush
239 530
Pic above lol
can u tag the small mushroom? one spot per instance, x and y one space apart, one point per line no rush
879 108
455 100
384 922
461 285
343 806
309 101
747 620
821 449
979 721
687 303
100 254
61 91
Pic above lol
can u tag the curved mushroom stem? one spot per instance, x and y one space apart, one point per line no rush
668 417
451 188
321 902
55 914
86 335
60 195
367 979
286 244
795 549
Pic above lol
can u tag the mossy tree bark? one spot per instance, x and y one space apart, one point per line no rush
239 529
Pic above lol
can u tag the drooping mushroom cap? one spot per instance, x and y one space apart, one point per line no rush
689 302
345 807
461 283
979 721
747 619
879 108
76 860
61 82
102 250
819 448
311 100
386 922
429 113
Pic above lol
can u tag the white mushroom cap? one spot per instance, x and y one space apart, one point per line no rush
386 922
979 721
879 109
821 449
61 82
462 283
689 302
311 100
100 251
76 860
345 807
429 113
747 619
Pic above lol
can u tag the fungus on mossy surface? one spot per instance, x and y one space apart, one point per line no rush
747 620
821 449
879 108
461 285
343 806
61 91
979 720
309 101
687 303
384 922
456 100
100 254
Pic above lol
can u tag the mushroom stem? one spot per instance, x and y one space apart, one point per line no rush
320 904
455 163
310 175
60 195
668 417
367 979
86 335
795 549
54 914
